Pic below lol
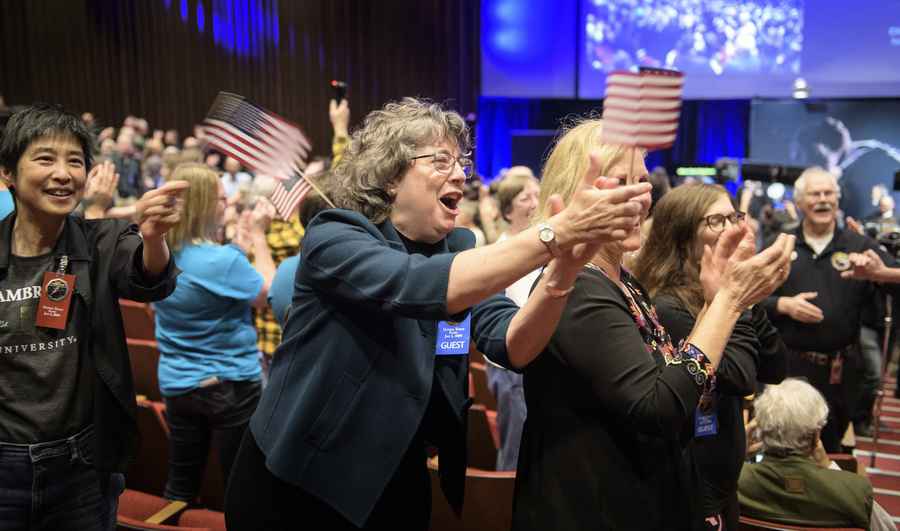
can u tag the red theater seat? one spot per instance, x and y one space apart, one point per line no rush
144 357
487 506
138 320
482 451
483 394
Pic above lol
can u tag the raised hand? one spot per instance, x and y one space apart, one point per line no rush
262 214
737 242
487 207
855 226
100 189
242 236
747 281
600 213
339 114
578 255
159 210
865 266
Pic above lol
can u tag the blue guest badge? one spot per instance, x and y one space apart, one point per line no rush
453 338
706 421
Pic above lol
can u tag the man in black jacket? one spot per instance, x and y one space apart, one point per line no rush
67 409
817 310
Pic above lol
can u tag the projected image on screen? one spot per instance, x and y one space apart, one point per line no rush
711 37
856 140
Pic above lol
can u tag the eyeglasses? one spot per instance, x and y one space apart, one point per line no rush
716 222
444 163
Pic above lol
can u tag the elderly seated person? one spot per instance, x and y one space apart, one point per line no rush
796 483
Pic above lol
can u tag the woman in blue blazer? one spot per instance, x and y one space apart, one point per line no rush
373 364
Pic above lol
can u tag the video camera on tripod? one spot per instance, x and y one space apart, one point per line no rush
888 233
890 240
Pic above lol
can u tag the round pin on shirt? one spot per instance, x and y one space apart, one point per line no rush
840 261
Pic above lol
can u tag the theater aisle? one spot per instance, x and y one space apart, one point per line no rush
885 475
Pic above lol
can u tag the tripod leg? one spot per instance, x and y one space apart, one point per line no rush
885 359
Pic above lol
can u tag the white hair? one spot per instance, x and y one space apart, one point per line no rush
800 183
789 417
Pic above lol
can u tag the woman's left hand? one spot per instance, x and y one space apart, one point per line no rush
159 210
580 254
262 215
736 242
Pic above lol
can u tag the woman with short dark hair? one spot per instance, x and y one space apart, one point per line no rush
67 410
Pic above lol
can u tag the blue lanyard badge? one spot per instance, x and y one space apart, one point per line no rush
453 338
706 421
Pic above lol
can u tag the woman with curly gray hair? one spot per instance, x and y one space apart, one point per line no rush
796 482
388 300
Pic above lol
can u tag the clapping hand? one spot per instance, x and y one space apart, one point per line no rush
100 189
602 212
745 277
253 223
865 266
737 242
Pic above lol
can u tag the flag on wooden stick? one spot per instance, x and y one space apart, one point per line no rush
264 142
261 140
642 109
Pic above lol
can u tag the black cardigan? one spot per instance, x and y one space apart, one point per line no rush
106 257
754 353
602 446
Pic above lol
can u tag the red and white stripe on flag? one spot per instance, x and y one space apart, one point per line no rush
288 194
642 109
259 139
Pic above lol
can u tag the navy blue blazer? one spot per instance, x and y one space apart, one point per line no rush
351 381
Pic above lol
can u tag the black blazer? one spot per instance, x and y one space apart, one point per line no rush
351 381
106 257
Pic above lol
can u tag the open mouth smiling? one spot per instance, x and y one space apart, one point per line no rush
450 200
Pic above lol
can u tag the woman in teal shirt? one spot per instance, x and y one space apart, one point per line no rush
209 372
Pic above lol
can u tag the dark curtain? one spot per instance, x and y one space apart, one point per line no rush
707 130
166 59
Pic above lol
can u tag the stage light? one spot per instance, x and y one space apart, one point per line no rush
775 191
801 89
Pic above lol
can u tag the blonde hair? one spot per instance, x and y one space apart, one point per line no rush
198 221
568 163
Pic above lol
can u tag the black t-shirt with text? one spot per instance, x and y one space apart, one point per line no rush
45 389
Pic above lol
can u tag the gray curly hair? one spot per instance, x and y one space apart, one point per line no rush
379 152
789 416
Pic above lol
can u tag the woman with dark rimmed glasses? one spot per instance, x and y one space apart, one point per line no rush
373 367
685 221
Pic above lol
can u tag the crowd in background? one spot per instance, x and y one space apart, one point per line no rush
685 321
695 35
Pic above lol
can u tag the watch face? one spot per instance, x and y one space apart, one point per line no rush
546 234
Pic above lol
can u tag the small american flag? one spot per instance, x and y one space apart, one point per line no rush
289 193
262 141
642 109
